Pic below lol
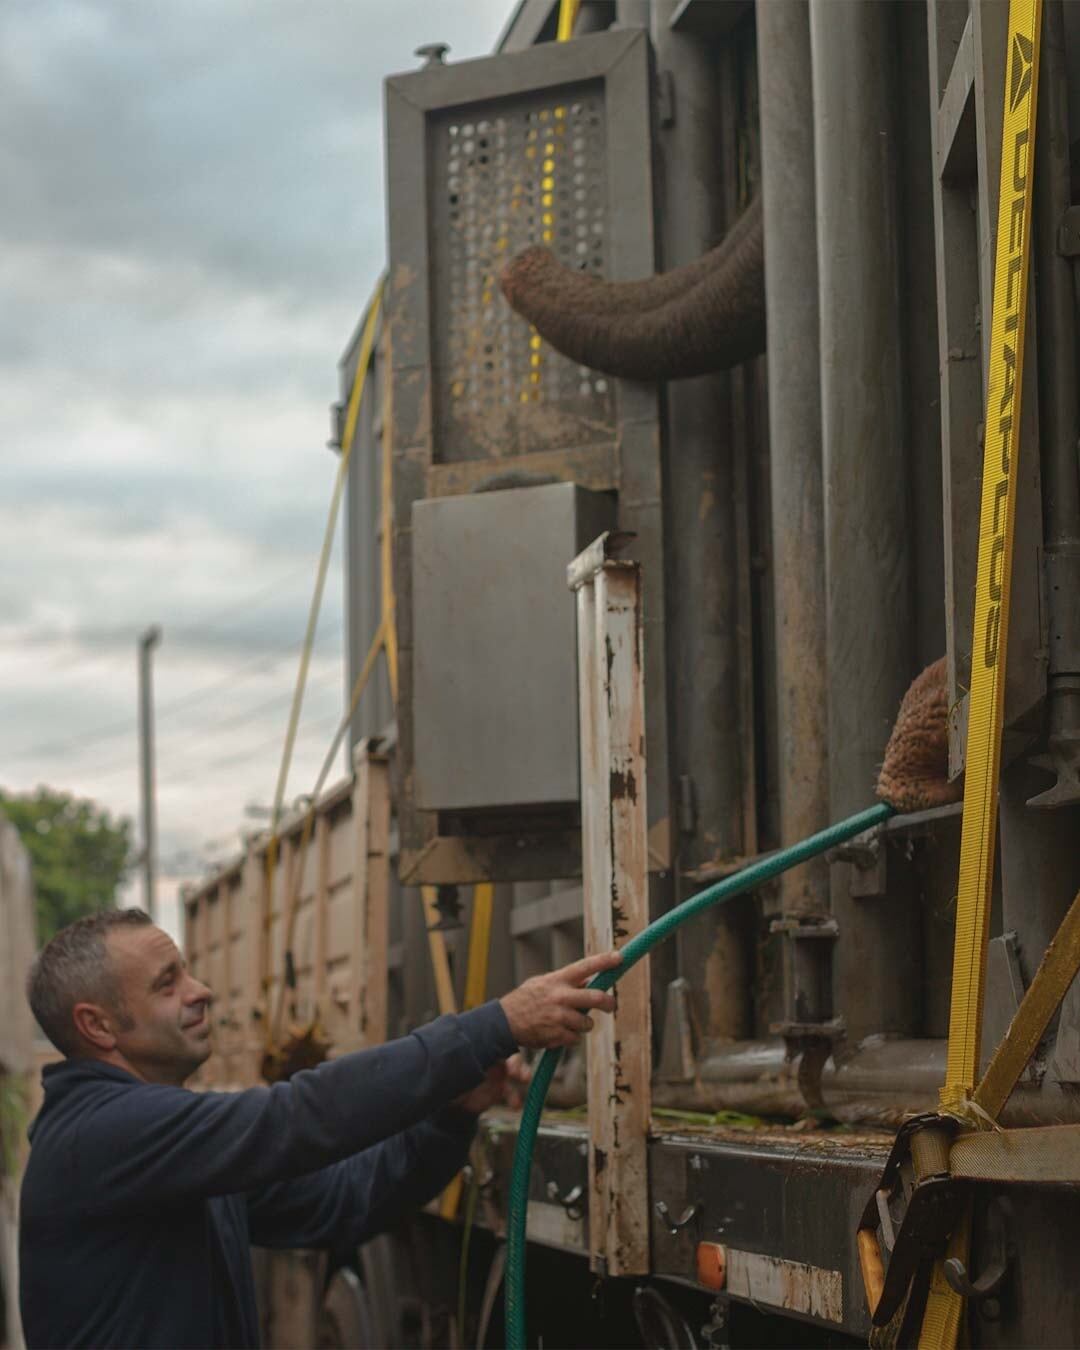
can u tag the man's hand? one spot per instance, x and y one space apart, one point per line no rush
503 1086
551 1010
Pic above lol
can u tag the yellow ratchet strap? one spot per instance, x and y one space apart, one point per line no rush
941 1323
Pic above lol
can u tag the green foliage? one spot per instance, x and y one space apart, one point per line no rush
79 854
14 1117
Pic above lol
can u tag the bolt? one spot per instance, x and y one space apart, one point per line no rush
434 54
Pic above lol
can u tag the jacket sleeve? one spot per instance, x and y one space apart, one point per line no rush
153 1146
354 1200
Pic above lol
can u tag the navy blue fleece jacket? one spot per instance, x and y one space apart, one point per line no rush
140 1201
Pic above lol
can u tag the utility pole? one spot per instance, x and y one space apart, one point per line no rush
147 642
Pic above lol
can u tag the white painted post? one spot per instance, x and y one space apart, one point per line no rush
616 886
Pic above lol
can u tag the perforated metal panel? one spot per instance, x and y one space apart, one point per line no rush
528 172
549 146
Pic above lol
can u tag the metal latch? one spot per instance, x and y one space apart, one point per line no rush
571 1201
675 1226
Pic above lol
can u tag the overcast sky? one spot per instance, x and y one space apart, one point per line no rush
193 217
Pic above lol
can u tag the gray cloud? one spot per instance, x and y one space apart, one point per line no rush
193 218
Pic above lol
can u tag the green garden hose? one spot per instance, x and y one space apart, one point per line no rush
747 880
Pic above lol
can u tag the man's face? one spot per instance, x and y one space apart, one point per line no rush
165 1033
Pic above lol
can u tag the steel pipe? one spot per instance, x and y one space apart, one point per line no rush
798 539
702 601
869 619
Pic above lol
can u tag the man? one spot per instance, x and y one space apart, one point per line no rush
141 1197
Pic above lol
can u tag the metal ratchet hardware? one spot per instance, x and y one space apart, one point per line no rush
675 1226
916 1174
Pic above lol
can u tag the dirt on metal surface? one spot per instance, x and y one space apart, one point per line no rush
801 1134
798 1135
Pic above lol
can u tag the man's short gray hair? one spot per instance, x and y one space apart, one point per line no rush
75 968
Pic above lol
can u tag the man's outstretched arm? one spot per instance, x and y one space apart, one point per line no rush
354 1200
157 1145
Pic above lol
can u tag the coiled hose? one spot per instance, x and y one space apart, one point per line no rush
747 880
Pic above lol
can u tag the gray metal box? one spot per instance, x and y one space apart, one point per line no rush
495 656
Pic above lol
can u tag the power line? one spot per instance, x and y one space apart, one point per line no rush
330 721
212 622
264 662
110 731
214 619
170 780
118 634
222 724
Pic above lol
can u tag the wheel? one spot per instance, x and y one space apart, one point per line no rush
345 1316
662 1326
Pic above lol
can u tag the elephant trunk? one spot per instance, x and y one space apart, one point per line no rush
694 320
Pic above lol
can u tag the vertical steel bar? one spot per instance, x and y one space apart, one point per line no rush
1059 408
865 472
702 585
798 536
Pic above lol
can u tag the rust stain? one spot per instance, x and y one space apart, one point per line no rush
620 1089
639 627
791 1285
618 913
609 653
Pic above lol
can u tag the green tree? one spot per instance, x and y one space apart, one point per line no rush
79 854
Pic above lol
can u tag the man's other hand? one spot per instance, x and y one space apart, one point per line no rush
504 1085
551 1011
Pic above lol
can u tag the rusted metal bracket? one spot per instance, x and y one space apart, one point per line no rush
866 853
994 1273
807 957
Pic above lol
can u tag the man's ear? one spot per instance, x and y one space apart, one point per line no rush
95 1025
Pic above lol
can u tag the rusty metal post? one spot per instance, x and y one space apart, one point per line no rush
616 887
